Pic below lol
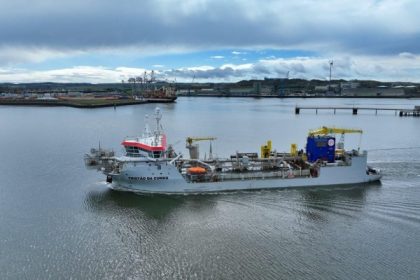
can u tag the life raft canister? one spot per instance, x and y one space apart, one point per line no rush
196 170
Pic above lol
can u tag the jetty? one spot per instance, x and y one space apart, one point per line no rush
355 109
83 102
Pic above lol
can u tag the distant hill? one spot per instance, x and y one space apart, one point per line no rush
273 86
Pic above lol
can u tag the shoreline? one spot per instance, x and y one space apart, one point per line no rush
297 96
80 104
91 104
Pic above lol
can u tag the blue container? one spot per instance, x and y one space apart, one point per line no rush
320 147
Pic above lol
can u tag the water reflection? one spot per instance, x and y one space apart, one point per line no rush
319 203
153 206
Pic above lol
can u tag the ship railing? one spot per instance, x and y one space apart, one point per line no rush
175 159
132 138
284 174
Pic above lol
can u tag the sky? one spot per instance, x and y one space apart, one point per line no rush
104 41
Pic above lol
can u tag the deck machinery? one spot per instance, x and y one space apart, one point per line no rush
321 143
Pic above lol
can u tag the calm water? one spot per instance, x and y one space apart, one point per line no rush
59 220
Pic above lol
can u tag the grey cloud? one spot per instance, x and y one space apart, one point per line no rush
257 70
209 24
298 68
407 55
261 68
380 68
215 73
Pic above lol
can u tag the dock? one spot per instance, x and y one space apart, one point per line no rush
415 112
82 103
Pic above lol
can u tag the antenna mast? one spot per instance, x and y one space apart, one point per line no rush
158 117
331 65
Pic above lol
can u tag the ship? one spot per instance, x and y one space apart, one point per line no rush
147 88
165 94
150 165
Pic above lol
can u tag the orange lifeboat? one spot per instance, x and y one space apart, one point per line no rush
196 170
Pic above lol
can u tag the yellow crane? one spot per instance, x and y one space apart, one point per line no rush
322 131
333 130
194 154
190 140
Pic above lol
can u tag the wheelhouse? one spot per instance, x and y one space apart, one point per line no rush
152 147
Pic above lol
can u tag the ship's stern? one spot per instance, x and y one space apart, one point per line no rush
374 174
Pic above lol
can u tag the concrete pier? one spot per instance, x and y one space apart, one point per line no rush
354 109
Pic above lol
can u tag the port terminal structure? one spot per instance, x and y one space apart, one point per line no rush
415 112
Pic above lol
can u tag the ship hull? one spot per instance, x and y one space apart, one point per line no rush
165 178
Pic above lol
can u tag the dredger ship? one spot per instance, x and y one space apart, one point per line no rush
151 166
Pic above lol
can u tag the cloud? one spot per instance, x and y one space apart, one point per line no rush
13 55
359 67
361 35
71 75
384 68
407 55
353 26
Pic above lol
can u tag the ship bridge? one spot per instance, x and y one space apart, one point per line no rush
150 144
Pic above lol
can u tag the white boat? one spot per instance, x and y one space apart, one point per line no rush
151 166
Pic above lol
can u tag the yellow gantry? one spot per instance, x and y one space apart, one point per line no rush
293 150
332 130
190 140
266 150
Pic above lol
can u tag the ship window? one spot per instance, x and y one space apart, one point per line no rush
156 154
320 144
132 151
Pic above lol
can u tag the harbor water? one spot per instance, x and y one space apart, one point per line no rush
59 220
